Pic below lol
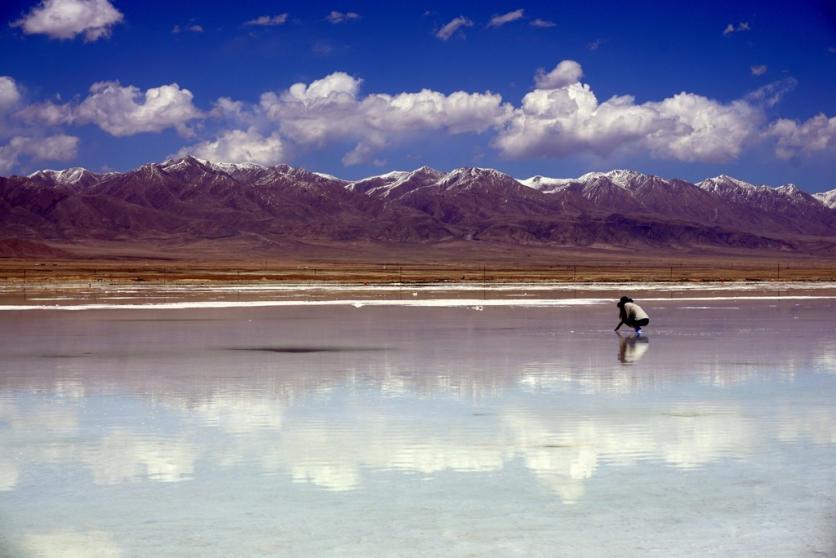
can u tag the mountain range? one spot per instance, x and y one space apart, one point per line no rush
188 201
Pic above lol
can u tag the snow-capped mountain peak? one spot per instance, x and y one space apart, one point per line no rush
789 189
68 177
391 174
623 178
188 162
730 186
725 182
466 177
326 176
545 184
385 184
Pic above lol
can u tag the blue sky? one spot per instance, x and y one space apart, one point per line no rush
743 88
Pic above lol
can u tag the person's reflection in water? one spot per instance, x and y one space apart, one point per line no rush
631 348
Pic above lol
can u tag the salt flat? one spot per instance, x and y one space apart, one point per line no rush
471 423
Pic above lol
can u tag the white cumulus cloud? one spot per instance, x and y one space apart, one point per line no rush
564 117
126 110
121 110
47 113
66 19
332 109
565 73
691 127
31 143
502 19
240 146
58 147
793 137
10 94
759 70
317 112
449 29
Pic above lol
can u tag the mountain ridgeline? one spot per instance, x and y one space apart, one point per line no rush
188 200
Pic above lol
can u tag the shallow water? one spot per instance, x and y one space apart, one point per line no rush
420 431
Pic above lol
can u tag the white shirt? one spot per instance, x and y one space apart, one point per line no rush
634 312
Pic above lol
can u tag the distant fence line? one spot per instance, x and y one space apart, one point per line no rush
419 273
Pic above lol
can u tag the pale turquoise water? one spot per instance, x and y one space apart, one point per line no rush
392 431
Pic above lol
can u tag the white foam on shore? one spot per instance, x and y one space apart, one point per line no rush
359 303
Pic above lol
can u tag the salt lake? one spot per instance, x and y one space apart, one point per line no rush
419 423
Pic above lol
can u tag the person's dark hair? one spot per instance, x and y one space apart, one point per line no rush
623 300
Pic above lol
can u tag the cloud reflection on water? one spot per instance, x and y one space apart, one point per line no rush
562 447
458 397
68 543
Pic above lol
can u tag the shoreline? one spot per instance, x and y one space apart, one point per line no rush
474 304
474 296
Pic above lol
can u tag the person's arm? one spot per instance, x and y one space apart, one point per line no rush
621 323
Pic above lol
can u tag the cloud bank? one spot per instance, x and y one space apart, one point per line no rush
559 117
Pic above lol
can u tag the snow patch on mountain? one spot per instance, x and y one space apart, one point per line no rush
623 178
64 177
730 187
326 176
385 184
547 185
